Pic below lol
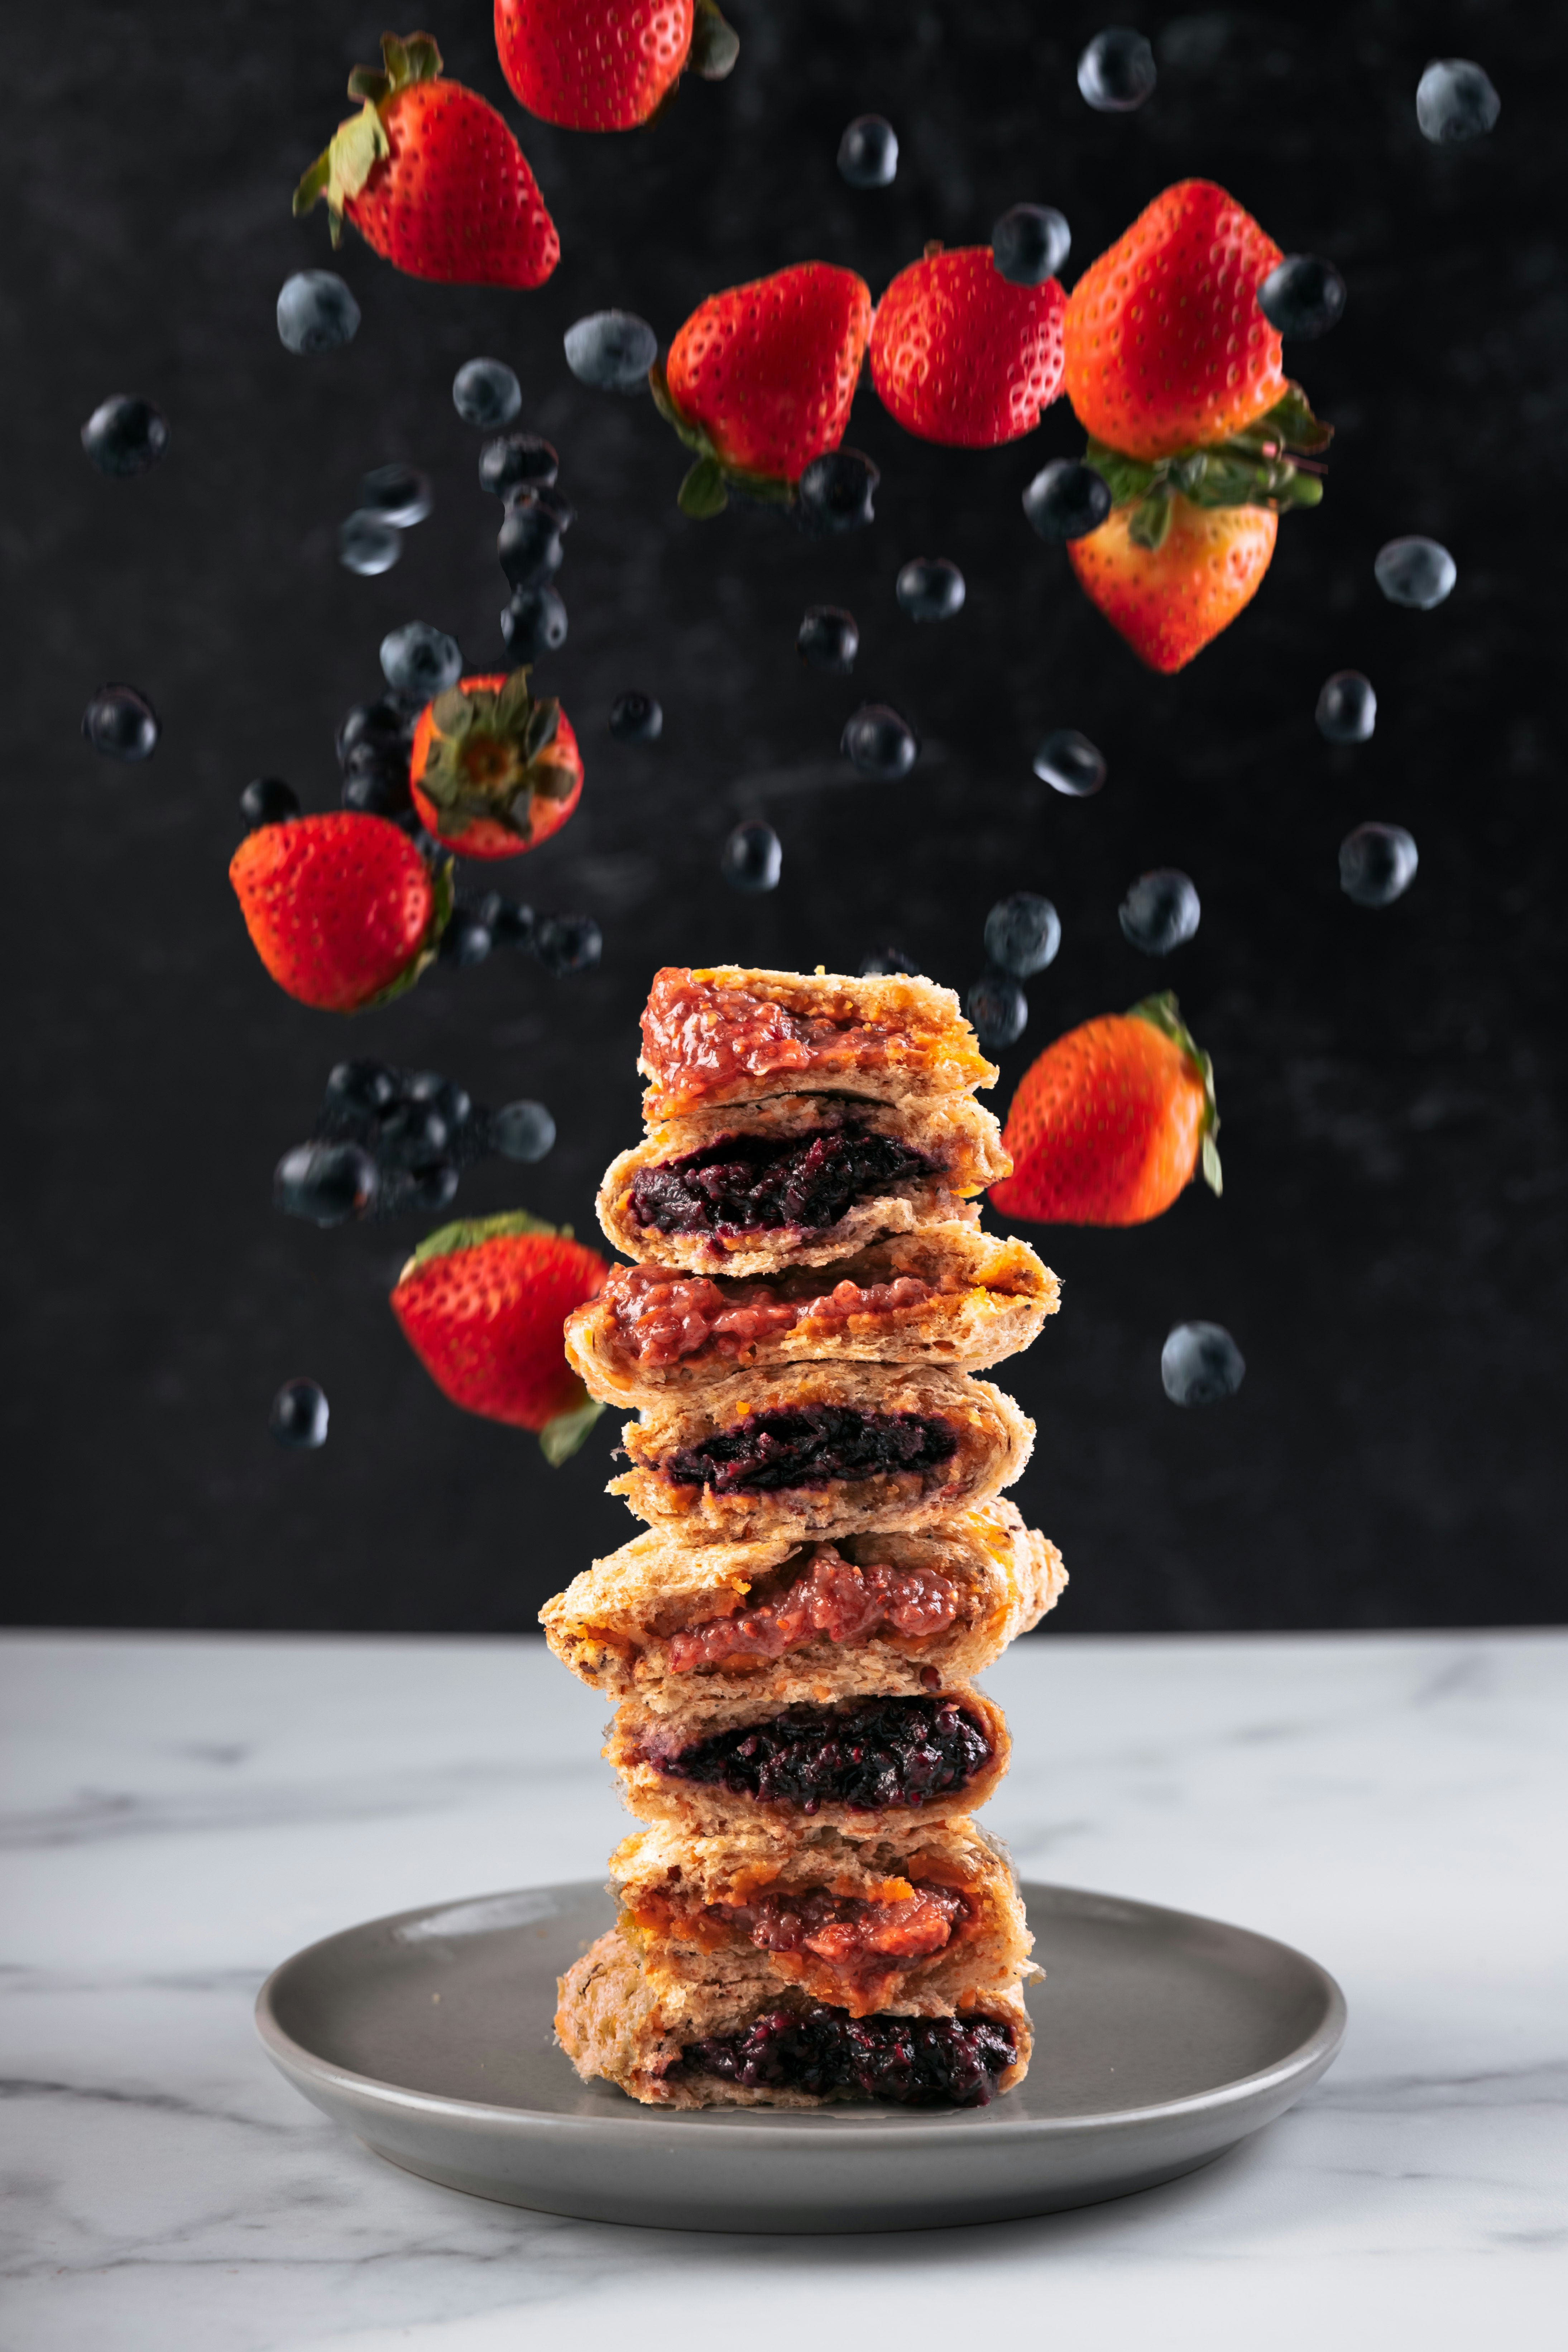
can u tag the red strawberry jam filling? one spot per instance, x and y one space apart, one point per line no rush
700 1038
662 1315
808 1446
833 1600
757 1184
919 2061
871 1755
847 1932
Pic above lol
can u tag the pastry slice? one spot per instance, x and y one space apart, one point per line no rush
948 1296
797 1180
730 1033
872 1764
898 1612
715 2043
822 1449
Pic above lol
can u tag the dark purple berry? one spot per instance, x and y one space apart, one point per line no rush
879 742
567 943
930 588
1302 297
868 152
486 392
1160 911
267 800
452 1103
431 1185
1022 934
466 939
517 461
400 495
828 638
1067 501
368 544
1455 100
612 350
508 922
316 313
418 659
379 723
363 1089
299 1416
324 1183
999 1010
1070 763
528 544
534 623
1377 863
635 718
1116 72
1200 1363
885 961
523 1130
752 858
1347 707
1030 244
125 435
121 723
834 492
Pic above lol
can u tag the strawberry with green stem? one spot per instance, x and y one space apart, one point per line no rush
340 908
493 771
608 65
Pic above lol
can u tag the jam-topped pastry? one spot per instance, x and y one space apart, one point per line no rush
730 1033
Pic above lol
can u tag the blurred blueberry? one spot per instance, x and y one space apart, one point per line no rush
930 588
1455 100
299 1416
868 152
517 461
375 787
1302 297
828 638
1377 863
1070 763
1022 933
752 858
486 392
316 313
534 623
612 350
528 544
125 435
414 1133
1415 572
885 961
380 722
452 1102
466 940
368 543
1160 911
999 1010
879 741
121 723
363 1087
1116 72
1347 707
635 718
1029 244
400 495
834 494
523 1130
567 943
420 659
508 921
1200 1363
267 800
325 1182
432 1185
1067 501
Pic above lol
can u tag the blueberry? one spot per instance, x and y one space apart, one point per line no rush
432 1185
1377 863
1455 100
834 494
1067 501
377 755
377 789
362 1089
1160 911
1116 72
752 858
1200 1363
1415 572
612 350
517 461
1022 934
125 435
466 940
529 544
1302 297
868 152
828 639
523 1130
567 943
400 495
453 1103
299 1416
879 742
325 1182
1070 763
1347 707
267 800
930 588
380 723
368 544
418 659
413 1132
635 718
533 623
509 923
884 961
1030 244
121 723
485 392
316 313
998 1009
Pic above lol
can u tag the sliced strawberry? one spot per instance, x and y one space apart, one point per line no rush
493 772
961 355
341 908
607 65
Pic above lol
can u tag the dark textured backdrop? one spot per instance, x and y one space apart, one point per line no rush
1390 1250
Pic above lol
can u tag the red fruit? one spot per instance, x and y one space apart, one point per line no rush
1167 347
432 178
960 355
493 772
607 65
483 1304
1110 1122
1169 601
341 908
759 379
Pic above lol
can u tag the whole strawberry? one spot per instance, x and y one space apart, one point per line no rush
493 772
483 1304
1170 600
341 908
962 356
1110 1122
432 178
759 379
607 65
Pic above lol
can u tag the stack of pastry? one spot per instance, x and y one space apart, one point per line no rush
811 1912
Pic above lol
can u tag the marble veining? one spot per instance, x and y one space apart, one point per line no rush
181 1813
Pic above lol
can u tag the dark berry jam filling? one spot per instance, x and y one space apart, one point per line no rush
871 1754
752 1184
914 2061
808 1446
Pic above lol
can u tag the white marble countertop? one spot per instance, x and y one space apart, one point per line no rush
180 1813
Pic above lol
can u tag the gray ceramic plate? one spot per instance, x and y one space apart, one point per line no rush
1162 2040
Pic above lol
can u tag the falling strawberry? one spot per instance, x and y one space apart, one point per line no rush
759 379
341 908
432 178
1110 1122
962 356
607 65
493 772
1169 601
483 1304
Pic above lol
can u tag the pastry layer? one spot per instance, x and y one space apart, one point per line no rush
714 2044
822 1449
732 1034
797 1180
897 1612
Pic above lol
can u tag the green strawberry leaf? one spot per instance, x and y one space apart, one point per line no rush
1251 468
468 1233
543 722
692 434
559 1439
715 44
1127 478
704 493
1163 1013
423 955
1151 521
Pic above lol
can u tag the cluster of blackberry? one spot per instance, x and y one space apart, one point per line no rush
390 1141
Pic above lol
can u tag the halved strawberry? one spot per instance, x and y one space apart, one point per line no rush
961 355
340 908
494 772
607 65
